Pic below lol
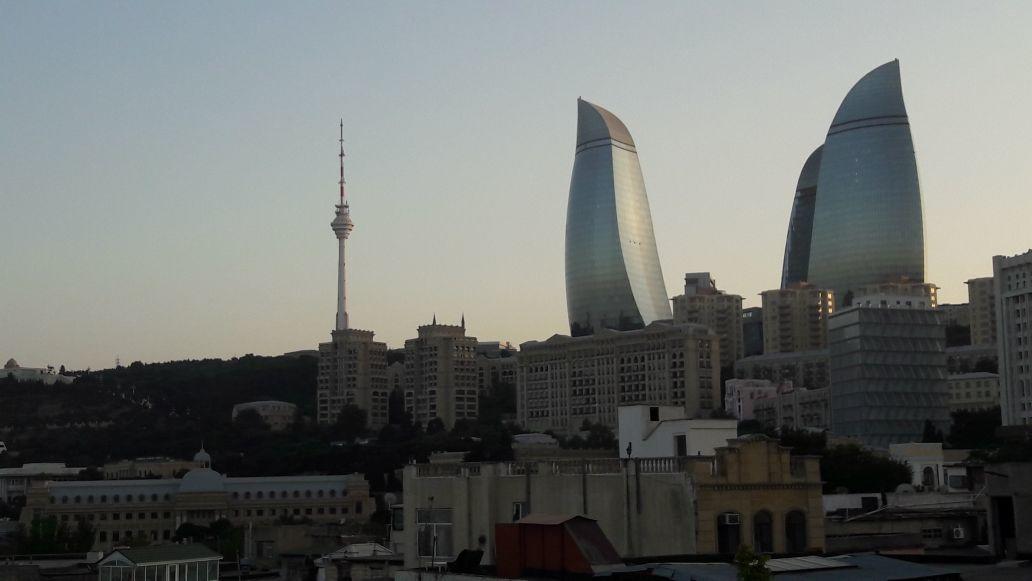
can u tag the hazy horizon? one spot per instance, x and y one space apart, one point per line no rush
170 170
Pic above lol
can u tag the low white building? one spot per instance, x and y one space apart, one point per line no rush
15 482
933 468
663 431
47 375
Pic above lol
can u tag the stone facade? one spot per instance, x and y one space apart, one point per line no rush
1012 286
982 311
796 318
563 381
703 304
352 370
152 509
440 379
809 368
974 391
795 408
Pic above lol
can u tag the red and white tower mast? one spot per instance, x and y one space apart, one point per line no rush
342 227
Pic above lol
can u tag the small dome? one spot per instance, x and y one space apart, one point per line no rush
202 457
202 480
11 364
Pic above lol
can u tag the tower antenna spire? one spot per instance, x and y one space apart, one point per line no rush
343 195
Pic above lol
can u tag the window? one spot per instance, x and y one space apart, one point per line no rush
931 534
434 532
795 532
358 507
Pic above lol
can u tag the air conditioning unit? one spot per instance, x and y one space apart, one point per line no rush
731 518
957 533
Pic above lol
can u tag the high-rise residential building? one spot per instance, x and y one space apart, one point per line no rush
703 304
613 275
752 331
352 367
867 223
563 381
809 368
352 371
795 318
956 314
888 373
796 265
1012 286
795 408
493 372
441 374
982 311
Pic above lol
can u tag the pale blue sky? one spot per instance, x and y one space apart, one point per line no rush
168 170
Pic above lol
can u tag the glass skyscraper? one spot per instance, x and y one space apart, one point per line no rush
867 220
800 224
613 276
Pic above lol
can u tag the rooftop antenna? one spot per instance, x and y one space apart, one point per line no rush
343 195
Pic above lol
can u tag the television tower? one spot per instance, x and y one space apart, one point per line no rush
342 227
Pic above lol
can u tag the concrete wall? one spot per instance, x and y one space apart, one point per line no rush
1013 481
655 439
643 511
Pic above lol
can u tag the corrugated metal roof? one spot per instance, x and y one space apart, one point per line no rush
168 553
549 519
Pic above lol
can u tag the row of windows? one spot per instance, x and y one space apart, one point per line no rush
117 516
115 498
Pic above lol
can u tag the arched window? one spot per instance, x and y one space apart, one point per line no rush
297 494
89 499
763 532
64 500
319 494
333 493
78 500
308 494
258 494
141 498
114 498
928 476
154 497
729 533
795 532
283 494
103 498
247 495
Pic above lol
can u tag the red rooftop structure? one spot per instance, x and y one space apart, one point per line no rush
553 544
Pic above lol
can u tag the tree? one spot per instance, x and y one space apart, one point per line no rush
804 442
435 426
931 433
90 473
351 423
859 470
751 567
974 429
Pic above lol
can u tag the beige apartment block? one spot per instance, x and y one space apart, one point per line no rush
563 381
982 311
440 379
352 370
795 408
796 318
703 304
974 391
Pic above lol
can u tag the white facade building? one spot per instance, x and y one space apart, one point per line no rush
15 482
933 468
665 431
739 395
47 375
1012 283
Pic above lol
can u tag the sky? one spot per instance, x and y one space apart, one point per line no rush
168 169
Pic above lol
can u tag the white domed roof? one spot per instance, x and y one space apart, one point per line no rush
202 456
11 364
202 480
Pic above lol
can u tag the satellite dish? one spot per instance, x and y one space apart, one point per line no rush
390 498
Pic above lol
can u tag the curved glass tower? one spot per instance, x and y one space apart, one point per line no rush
800 225
867 223
613 277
